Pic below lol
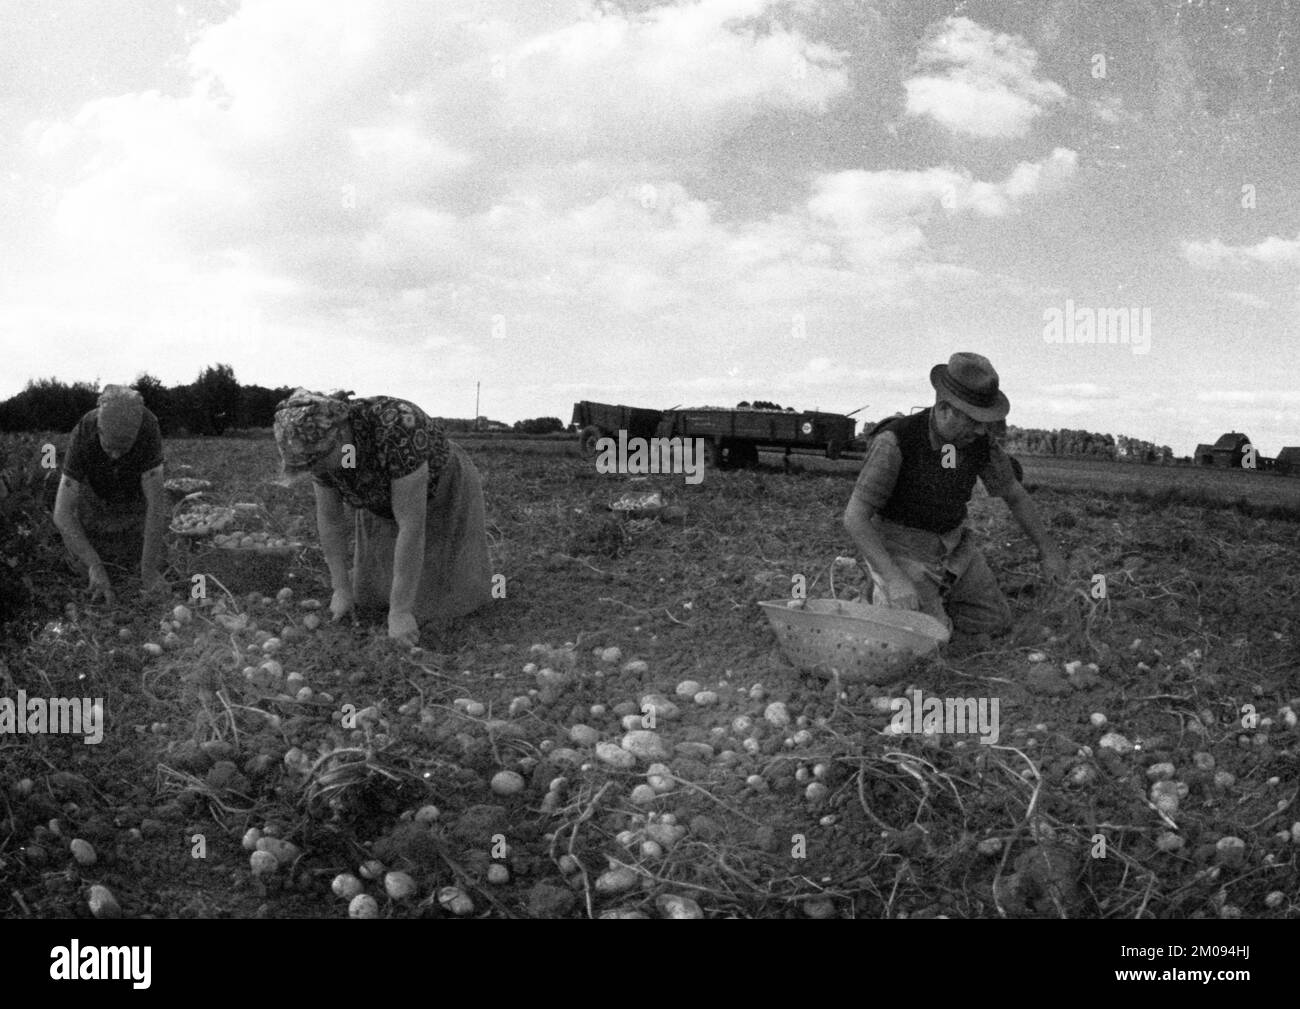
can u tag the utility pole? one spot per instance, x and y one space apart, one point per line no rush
476 389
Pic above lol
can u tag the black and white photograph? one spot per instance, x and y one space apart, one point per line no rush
689 459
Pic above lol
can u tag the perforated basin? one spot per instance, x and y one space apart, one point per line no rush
857 641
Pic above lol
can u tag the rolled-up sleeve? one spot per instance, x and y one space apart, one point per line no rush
997 476
879 474
74 457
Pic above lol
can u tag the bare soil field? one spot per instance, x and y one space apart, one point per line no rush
1145 764
1256 491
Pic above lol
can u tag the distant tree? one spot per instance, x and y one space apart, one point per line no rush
457 424
215 401
48 405
157 400
257 405
539 425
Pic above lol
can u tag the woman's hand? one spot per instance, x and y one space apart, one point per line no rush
100 585
341 605
402 627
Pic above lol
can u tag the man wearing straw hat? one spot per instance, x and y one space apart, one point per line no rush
110 507
907 513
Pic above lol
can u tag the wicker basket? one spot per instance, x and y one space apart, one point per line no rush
861 642
241 570
190 501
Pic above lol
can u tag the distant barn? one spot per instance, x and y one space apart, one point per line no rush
1227 452
1288 460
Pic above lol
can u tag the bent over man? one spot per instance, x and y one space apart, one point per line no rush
907 513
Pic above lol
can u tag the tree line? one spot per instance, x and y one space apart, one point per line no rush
1067 442
212 404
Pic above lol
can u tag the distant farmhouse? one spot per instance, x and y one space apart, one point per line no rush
1230 449
1226 453
1288 461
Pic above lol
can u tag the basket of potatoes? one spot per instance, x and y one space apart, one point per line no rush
245 558
196 516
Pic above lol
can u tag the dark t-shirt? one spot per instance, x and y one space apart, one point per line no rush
117 481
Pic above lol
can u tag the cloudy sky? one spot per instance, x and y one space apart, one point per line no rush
697 202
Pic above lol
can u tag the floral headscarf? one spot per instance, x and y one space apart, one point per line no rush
307 427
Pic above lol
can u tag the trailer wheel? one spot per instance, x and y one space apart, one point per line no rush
834 449
728 454
712 454
743 453
587 439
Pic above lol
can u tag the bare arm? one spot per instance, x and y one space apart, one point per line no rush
69 525
154 521
410 508
332 528
857 520
1026 516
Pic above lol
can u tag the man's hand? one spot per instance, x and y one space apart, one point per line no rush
402 627
1055 570
100 585
341 605
900 593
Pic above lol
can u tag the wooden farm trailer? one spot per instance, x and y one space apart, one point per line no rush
604 420
731 437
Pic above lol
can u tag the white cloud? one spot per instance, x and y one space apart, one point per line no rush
404 175
1080 390
978 82
1246 298
1110 109
1072 407
1272 397
1272 251
661 80
332 142
881 216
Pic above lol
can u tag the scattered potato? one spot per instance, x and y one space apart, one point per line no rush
507 783
346 885
455 900
363 906
400 885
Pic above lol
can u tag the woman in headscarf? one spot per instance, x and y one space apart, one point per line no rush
110 507
421 538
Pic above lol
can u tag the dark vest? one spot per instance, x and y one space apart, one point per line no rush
927 496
